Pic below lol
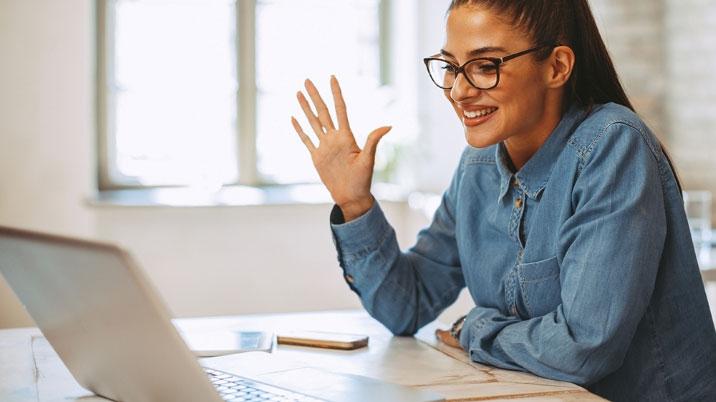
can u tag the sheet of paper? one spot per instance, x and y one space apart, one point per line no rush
224 342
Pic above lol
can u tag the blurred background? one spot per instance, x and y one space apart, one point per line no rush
163 125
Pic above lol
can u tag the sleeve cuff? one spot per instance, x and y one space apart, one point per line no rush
471 322
337 217
484 324
362 234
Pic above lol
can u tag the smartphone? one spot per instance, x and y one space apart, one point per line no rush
319 339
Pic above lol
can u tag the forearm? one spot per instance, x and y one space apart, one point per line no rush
404 291
543 346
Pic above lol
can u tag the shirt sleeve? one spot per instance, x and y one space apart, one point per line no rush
609 255
402 290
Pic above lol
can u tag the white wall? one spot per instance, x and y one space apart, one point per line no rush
690 58
230 260
204 261
46 136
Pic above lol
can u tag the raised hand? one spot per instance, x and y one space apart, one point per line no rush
343 167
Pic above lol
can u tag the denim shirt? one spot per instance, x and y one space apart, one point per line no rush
581 264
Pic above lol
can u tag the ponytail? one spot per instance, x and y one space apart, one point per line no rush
595 80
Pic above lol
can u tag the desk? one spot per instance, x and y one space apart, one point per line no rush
31 371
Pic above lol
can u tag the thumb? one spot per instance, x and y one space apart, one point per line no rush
371 144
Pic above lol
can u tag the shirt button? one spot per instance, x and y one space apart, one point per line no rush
518 203
349 278
516 184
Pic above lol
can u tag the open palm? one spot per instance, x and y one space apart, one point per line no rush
343 167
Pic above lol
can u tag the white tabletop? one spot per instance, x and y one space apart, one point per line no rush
30 370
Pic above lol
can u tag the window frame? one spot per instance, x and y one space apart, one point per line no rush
108 176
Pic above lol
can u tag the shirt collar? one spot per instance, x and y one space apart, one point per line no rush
534 175
505 168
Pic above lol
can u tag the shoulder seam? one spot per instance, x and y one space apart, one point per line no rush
585 152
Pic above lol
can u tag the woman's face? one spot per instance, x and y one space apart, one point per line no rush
516 107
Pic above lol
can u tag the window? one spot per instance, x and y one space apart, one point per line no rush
199 92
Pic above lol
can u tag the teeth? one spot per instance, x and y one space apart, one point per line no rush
479 113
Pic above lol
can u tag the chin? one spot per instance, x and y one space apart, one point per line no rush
479 138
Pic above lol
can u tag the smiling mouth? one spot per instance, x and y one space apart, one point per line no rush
475 114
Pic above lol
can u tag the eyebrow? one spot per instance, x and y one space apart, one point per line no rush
476 52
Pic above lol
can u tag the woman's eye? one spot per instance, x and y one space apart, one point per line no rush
449 68
482 67
487 68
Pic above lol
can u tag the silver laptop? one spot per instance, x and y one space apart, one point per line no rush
110 328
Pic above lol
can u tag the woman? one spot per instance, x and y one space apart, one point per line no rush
564 218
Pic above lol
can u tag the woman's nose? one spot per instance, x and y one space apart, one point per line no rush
462 89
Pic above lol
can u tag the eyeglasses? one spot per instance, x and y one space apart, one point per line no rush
482 73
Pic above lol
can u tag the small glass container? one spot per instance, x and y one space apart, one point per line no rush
698 213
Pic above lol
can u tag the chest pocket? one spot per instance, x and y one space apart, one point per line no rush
540 289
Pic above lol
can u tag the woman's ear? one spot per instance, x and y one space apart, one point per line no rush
561 65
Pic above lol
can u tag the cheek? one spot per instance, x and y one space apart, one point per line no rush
520 95
532 86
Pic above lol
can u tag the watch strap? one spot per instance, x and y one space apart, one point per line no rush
456 328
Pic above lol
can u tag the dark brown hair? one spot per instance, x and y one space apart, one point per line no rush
571 23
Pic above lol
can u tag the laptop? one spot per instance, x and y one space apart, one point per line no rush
113 332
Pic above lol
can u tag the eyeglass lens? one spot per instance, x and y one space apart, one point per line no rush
482 73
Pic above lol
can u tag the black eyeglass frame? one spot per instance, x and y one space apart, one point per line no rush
497 61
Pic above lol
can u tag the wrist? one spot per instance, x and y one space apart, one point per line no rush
355 209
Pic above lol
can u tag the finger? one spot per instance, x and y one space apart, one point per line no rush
339 102
447 338
442 336
371 144
323 114
312 119
306 140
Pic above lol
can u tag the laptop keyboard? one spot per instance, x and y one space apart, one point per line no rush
235 388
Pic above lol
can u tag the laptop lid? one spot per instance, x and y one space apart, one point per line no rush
102 317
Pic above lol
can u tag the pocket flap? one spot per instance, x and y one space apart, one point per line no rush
536 271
